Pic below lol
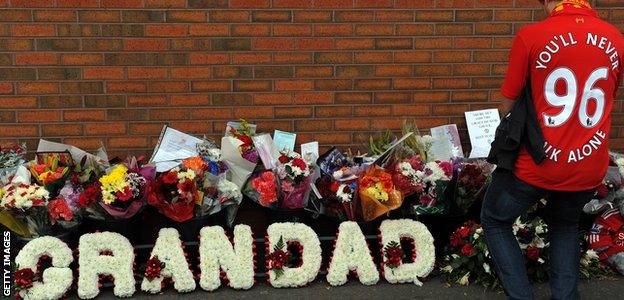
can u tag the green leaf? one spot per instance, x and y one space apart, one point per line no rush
280 244
278 273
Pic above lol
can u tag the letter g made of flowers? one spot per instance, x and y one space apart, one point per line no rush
57 279
108 254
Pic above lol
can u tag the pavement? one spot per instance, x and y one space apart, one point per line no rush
434 289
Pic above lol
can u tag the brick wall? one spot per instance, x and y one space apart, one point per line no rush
85 71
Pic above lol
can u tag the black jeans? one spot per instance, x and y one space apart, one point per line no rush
509 197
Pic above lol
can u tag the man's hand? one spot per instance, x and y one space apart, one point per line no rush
505 106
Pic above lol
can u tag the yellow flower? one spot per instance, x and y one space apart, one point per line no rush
113 182
377 192
1 192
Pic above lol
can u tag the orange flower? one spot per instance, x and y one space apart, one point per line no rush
195 163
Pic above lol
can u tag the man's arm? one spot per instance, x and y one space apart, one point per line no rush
505 106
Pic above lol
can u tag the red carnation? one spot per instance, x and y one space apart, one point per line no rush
170 178
300 163
90 196
602 191
467 250
125 195
245 139
456 240
334 186
58 208
278 259
533 253
153 268
283 159
464 231
24 278
394 254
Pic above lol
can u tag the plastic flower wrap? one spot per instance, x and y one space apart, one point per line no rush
121 192
32 212
426 182
175 194
246 149
609 194
472 178
294 174
10 158
217 191
263 188
378 194
50 171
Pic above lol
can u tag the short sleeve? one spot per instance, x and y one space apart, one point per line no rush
517 69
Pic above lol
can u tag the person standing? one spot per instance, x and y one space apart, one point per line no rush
573 62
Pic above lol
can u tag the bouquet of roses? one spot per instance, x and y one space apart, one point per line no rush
175 194
51 171
31 210
609 194
466 258
120 193
340 198
10 158
294 174
472 178
427 181
531 233
378 194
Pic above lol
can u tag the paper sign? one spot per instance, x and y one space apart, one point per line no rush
446 143
284 140
173 147
238 126
310 151
266 150
481 129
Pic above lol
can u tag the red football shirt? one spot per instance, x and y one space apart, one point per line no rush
574 62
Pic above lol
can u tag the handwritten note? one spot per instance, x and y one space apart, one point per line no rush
481 129
173 147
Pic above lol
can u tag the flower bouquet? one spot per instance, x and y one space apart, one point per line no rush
294 174
120 193
426 182
216 189
378 194
531 233
32 212
472 178
263 188
466 258
10 158
175 194
239 153
340 198
51 170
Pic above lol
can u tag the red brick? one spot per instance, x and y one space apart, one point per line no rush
313 98
37 116
293 112
32 30
32 3
146 73
208 58
293 85
145 45
84 115
126 87
122 3
189 100
105 128
14 131
250 3
81 59
13 102
146 101
165 30
272 99
77 3
208 30
103 73
61 130
6 88
38 58
55 16
190 73
128 142
37 88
